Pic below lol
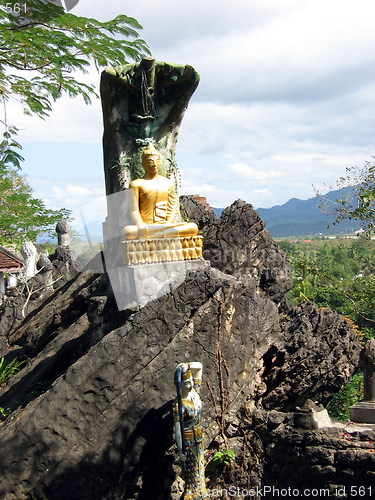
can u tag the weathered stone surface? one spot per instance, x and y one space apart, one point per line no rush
96 431
64 262
30 294
194 211
312 416
238 244
95 396
319 353
58 334
303 460
364 411
21 301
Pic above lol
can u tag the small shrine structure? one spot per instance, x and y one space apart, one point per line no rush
10 262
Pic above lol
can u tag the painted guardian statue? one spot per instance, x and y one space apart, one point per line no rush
188 430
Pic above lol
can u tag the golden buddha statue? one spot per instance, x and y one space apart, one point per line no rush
157 234
155 205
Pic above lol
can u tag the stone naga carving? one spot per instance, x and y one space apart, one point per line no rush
188 431
142 103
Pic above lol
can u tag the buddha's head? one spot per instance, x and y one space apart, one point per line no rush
151 160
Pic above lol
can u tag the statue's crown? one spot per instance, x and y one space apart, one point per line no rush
150 150
186 375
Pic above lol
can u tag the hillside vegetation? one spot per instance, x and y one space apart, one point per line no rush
337 274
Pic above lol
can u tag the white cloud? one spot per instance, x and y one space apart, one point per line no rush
285 99
87 203
71 121
76 192
247 172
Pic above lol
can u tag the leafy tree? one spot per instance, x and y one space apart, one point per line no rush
21 215
339 277
42 50
357 203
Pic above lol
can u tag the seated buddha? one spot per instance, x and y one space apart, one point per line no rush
155 205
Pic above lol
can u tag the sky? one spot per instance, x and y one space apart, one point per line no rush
285 102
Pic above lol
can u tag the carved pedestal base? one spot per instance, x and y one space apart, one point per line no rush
136 285
135 252
364 412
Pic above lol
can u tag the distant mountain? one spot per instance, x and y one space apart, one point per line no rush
218 211
302 217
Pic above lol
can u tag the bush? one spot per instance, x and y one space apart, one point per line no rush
339 406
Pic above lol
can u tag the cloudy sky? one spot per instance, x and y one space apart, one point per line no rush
285 101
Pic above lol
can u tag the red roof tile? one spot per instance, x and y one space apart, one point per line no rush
9 261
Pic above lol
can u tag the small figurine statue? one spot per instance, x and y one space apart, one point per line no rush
155 210
29 253
62 230
188 431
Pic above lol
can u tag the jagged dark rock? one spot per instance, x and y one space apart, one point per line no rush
93 402
108 412
22 300
29 294
195 211
274 458
319 353
238 244
65 263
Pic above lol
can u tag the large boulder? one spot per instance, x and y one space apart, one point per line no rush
317 355
238 244
92 407
102 427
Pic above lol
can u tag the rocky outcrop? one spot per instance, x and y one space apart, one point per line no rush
22 300
108 412
92 406
276 458
64 261
238 244
314 358
195 211
29 294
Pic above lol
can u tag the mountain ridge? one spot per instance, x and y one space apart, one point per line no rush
299 217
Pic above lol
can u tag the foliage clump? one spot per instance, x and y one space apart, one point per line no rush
222 458
358 203
336 274
339 406
42 52
22 216
7 370
339 275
